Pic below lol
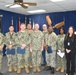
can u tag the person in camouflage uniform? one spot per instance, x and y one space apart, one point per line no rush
50 40
44 27
60 46
10 44
23 40
1 49
30 30
36 47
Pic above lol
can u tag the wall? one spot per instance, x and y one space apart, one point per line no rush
69 17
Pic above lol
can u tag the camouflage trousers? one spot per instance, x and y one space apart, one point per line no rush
12 60
20 57
51 59
22 60
30 57
60 61
1 56
36 58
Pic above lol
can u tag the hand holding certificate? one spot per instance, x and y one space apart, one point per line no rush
61 54
21 51
48 48
11 51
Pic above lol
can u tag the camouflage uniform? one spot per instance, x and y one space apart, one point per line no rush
30 54
36 41
50 40
1 44
23 38
10 39
60 46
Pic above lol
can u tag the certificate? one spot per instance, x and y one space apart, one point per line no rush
61 54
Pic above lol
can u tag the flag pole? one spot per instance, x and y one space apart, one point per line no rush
30 20
25 20
1 23
11 20
33 24
19 24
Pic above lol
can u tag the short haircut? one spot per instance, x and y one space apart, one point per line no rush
11 26
23 24
44 25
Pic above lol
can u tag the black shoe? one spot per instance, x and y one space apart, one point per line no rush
47 68
43 64
52 70
1 73
50 67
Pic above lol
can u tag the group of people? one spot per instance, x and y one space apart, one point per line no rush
25 49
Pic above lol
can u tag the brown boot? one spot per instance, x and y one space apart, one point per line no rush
19 70
58 69
38 69
62 69
10 69
30 65
15 68
27 70
22 65
34 69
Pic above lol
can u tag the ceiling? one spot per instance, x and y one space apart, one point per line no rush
67 5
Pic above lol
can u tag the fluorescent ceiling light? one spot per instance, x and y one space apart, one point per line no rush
13 6
8 5
56 0
37 11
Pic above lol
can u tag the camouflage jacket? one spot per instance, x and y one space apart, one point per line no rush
60 42
36 40
51 40
1 39
23 38
10 39
29 31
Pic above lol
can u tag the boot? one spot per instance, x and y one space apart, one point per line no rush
43 64
38 69
10 69
52 70
58 69
62 69
34 69
27 70
47 68
22 65
30 65
19 70
15 68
